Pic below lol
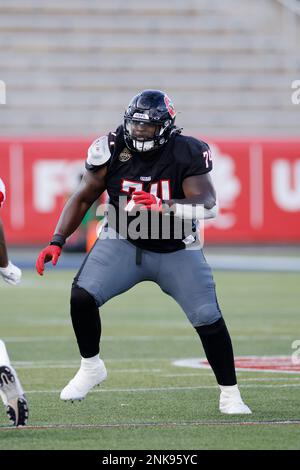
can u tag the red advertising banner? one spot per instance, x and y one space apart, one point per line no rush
39 177
258 186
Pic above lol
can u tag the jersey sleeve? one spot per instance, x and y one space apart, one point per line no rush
2 192
199 161
98 154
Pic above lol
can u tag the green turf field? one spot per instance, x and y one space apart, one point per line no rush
146 402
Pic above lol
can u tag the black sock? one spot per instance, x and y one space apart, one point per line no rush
218 349
86 322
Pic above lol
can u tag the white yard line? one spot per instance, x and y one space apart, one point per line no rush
28 339
76 366
260 379
267 379
163 389
34 339
192 374
263 337
154 425
31 284
76 362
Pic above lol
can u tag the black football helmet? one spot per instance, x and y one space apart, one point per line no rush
148 121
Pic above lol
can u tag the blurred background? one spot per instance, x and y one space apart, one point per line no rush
232 68
68 69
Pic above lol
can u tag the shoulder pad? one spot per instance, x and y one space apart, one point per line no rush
2 192
98 152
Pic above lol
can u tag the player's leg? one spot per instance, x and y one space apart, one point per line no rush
109 269
11 390
87 327
187 277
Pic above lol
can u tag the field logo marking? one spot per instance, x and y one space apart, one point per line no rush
251 363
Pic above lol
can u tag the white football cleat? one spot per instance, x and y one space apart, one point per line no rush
85 379
11 391
231 402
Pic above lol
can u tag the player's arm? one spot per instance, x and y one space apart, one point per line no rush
200 196
10 273
92 185
199 190
3 249
200 201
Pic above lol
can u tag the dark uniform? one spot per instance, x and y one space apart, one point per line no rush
161 174
116 263
147 162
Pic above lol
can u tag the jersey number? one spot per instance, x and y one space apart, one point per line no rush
129 187
207 157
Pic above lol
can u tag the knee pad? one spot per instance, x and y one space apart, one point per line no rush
204 315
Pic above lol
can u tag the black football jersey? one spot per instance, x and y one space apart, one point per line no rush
160 173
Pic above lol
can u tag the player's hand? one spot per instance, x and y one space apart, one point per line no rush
51 252
147 201
11 274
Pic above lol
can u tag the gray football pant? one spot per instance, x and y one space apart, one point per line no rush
110 269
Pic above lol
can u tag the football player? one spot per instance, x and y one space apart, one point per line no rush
11 391
159 172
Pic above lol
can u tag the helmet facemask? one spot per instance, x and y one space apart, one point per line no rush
145 135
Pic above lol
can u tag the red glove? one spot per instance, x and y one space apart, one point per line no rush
147 201
51 252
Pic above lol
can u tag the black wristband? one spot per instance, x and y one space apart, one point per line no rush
58 240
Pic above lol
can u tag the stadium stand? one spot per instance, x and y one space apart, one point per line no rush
71 67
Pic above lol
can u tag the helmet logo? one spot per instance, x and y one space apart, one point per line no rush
170 106
141 116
